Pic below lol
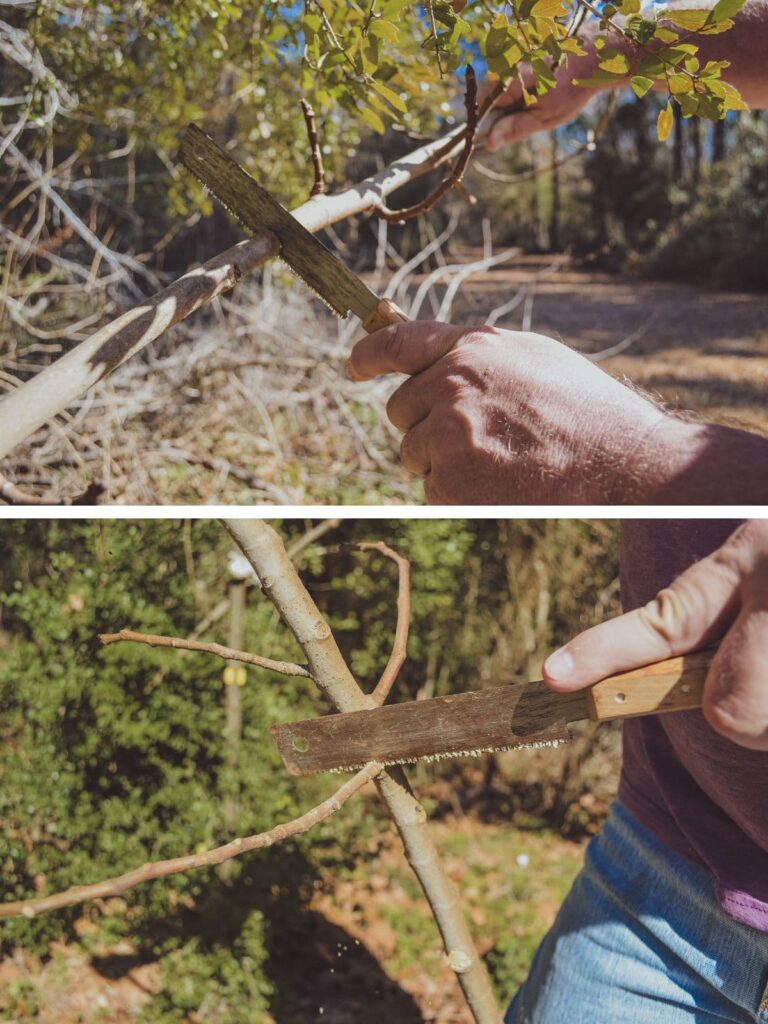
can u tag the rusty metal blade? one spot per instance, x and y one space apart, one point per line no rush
256 210
499 718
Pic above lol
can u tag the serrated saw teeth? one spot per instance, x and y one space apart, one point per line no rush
444 756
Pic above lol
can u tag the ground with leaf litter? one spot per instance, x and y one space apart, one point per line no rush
365 950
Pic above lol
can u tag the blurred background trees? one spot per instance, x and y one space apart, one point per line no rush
113 756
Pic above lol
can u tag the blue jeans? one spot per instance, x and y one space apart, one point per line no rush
641 939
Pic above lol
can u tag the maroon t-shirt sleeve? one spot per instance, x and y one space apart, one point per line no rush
704 796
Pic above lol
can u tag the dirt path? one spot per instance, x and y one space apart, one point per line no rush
700 350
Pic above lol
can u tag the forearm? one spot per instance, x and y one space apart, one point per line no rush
701 464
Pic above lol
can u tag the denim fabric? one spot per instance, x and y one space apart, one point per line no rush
641 938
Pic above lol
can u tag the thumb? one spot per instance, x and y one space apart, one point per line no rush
692 612
408 347
735 699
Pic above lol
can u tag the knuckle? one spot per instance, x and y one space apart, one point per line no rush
666 616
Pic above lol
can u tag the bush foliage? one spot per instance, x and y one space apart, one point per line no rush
114 756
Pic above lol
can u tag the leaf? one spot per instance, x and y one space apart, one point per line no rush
640 85
572 45
384 30
664 123
498 40
731 96
391 9
372 118
389 95
617 65
691 20
549 9
689 104
628 7
679 84
725 9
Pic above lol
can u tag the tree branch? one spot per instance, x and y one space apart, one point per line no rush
285 668
281 584
160 869
318 185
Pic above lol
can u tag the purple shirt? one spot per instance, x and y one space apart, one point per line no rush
703 795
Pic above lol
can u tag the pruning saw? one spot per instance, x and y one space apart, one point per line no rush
498 718
322 270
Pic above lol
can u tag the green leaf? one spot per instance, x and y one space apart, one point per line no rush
689 104
691 20
389 95
391 9
372 118
679 84
640 85
384 30
628 7
731 97
725 9
664 123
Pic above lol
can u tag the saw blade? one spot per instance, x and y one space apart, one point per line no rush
250 203
462 724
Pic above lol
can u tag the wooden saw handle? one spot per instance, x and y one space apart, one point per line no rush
386 313
672 685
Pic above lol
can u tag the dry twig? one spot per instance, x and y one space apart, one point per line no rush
318 185
285 668
111 887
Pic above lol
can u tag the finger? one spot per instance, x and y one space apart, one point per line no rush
410 403
403 348
414 449
735 701
692 612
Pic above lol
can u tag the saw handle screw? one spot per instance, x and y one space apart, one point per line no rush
620 698
300 744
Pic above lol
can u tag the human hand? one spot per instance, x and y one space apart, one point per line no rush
505 417
723 596
558 106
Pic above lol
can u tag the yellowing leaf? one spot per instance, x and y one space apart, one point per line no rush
616 65
549 9
664 123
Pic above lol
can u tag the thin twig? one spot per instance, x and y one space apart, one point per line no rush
13 495
285 668
318 185
398 654
111 887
